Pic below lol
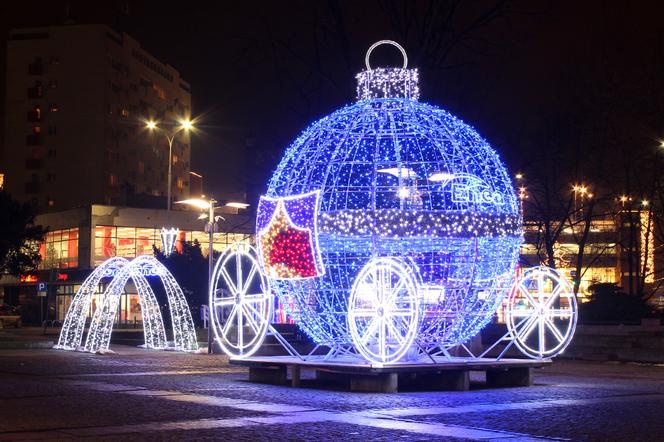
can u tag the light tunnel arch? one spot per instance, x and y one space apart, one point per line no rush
101 326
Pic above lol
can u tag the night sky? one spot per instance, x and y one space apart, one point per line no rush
542 81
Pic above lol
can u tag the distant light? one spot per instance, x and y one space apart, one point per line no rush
623 199
441 176
519 176
645 203
236 205
399 172
202 216
187 124
195 202
151 124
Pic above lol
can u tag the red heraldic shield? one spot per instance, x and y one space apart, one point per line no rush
286 235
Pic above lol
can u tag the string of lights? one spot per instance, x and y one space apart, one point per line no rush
403 182
101 325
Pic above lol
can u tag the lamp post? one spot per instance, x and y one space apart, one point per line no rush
211 227
183 124
168 235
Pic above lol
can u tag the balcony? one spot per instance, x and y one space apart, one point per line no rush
35 92
36 69
34 116
33 163
33 140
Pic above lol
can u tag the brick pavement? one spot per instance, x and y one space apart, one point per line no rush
146 395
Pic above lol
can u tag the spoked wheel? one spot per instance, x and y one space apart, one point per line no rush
541 313
240 300
383 314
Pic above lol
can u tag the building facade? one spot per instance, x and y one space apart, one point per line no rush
619 249
77 99
78 240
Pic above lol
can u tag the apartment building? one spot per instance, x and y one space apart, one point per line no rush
77 99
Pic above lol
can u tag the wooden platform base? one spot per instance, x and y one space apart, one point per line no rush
445 374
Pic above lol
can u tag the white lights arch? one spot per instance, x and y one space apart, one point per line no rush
101 325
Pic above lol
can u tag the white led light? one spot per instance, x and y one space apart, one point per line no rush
101 325
241 301
541 313
168 237
404 186
383 313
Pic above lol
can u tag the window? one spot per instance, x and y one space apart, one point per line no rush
50 202
54 60
128 242
36 91
33 139
180 183
59 250
50 177
36 67
105 243
175 159
112 179
52 130
35 114
141 167
36 130
53 107
161 93
53 84
124 113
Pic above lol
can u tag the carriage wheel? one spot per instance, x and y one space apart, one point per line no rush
383 310
541 313
240 300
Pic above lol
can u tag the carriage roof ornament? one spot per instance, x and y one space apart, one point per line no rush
387 82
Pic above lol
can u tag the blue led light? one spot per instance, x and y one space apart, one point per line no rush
405 180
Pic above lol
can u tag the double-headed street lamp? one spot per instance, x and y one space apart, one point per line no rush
170 131
169 234
211 227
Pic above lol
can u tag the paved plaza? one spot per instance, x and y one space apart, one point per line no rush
147 395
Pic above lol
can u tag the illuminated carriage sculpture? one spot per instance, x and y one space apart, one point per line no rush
390 230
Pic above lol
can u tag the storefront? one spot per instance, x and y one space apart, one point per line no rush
79 240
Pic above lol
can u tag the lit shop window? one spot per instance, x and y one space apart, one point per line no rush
106 243
130 242
59 250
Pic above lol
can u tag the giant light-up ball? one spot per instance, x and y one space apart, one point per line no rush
402 179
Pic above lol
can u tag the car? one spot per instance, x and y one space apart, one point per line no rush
9 316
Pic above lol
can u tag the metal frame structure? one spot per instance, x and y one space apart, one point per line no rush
385 292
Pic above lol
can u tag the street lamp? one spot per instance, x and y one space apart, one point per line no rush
184 124
169 234
211 227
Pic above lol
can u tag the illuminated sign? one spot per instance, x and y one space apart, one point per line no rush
468 188
28 278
